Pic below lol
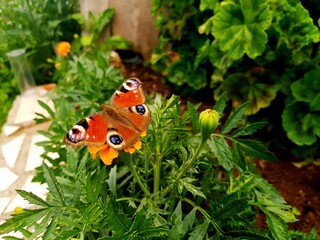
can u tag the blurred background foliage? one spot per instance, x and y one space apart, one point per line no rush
264 52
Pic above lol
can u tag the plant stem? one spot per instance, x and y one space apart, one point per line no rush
135 175
184 168
128 199
157 171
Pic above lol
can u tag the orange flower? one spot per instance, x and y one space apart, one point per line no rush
107 154
63 48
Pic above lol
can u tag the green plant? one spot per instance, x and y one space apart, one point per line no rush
181 184
83 82
8 91
94 28
52 22
252 50
37 27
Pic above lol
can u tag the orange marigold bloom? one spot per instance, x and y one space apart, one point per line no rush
107 154
63 48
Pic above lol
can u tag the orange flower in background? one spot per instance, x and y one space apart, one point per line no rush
63 48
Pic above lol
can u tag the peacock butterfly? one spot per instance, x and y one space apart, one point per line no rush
119 124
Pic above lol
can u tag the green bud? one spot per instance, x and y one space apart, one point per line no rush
209 120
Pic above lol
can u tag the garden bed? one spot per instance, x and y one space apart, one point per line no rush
300 187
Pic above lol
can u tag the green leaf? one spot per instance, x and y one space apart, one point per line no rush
42 226
47 108
195 191
222 152
259 93
295 26
25 219
235 119
188 220
53 186
232 207
86 40
240 27
301 125
32 198
118 221
176 231
246 234
279 209
221 104
256 149
103 19
199 231
277 227
192 111
112 180
248 130
217 57
307 89
208 4
238 157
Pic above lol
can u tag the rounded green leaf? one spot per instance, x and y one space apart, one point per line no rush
240 27
307 89
300 124
257 86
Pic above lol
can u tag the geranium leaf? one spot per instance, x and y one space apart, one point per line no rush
240 27
259 94
208 4
298 125
307 89
295 26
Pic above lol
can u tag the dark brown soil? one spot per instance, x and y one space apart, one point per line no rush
300 187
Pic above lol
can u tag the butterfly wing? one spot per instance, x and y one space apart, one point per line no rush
119 124
130 98
90 131
128 94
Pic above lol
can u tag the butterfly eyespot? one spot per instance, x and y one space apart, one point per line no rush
140 109
76 134
131 84
115 139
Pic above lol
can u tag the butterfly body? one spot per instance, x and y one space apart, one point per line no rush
118 125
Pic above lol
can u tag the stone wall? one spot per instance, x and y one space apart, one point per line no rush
132 20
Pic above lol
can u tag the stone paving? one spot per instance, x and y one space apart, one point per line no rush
19 156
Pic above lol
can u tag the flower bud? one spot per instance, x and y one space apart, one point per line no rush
58 65
209 120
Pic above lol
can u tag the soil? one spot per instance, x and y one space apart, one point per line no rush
300 187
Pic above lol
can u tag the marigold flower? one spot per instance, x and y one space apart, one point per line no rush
107 154
63 48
